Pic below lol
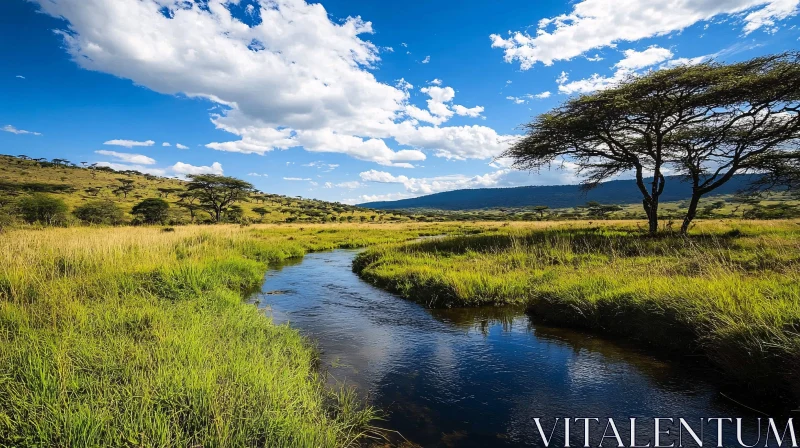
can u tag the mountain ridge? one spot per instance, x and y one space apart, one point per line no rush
616 192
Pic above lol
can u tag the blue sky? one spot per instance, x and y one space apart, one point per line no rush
345 100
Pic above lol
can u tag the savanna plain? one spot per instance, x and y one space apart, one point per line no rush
139 336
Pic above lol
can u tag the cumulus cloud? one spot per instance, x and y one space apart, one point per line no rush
594 24
315 89
185 168
13 130
634 60
456 142
165 144
179 146
426 60
257 175
294 179
129 143
128 157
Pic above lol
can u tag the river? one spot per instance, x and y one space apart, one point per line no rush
475 377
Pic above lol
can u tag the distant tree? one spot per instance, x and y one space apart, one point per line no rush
94 191
84 164
166 191
100 212
42 208
600 210
125 187
261 212
189 200
234 213
541 209
151 211
217 193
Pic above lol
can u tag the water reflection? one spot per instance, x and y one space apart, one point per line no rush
474 377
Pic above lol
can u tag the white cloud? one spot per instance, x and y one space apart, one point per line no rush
435 184
165 144
626 68
128 157
456 142
473 112
20 77
179 146
594 24
257 175
404 44
129 143
426 60
13 130
436 82
350 185
185 168
296 179
296 78
139 168
378 198
634 60
593 83
326 167
529 96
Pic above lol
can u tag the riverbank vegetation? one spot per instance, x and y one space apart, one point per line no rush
138 336
730 291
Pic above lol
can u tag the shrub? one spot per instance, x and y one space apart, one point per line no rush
100 212
151 211
43 209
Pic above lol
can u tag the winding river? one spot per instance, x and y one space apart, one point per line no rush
475 377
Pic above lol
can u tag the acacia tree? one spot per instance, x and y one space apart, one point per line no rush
620 130
752 124
708 122
218 193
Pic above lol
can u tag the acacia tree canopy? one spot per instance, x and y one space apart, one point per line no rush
218 193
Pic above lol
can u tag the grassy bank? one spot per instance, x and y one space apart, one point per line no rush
731 291
139 337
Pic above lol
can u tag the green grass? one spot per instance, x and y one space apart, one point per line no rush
139 337
731 290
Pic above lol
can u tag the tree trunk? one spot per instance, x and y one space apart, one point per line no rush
218 214
691 212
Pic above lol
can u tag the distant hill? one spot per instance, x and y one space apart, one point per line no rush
77 185
553 196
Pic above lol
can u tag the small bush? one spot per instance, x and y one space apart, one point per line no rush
43 209
100 212
152 211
